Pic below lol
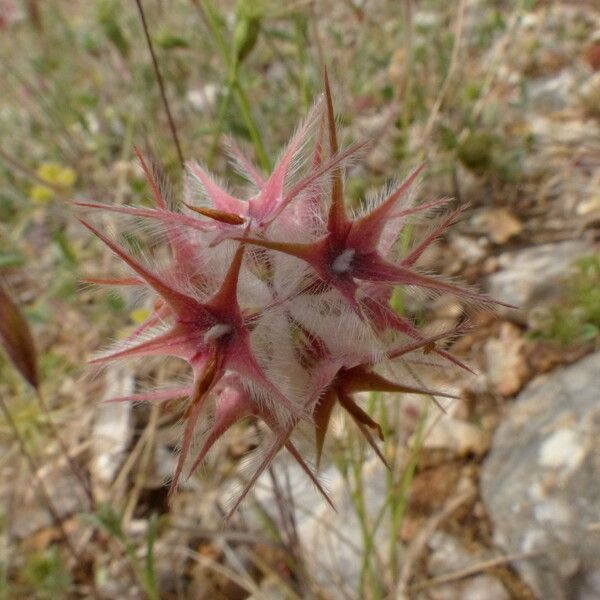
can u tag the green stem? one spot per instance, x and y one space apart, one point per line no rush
213 24
398 510
234 84
261 152
221 116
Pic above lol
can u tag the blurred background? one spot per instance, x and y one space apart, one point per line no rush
497 498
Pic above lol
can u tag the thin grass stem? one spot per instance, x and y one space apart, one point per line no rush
161 84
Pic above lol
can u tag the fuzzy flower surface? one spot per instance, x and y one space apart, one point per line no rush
280 302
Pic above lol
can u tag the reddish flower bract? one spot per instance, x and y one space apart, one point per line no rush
280 302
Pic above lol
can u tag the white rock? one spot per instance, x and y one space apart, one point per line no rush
111 432
562 449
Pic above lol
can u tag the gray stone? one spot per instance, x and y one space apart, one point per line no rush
541 482
332 542
552 93
112 431
534 277
449 555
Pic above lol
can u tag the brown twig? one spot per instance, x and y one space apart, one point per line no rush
489 564
142 471
417 546
474 569
161 84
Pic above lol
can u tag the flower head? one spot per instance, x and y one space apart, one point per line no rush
280 302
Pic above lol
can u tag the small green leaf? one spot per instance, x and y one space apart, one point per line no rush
170 41
108 14
65 247
107 518
9 260
247 28
589 331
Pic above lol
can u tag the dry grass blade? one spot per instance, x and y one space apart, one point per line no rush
16 338
419 543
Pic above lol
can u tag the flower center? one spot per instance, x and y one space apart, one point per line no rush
343 262
217 331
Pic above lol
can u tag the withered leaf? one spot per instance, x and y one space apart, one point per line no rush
16 338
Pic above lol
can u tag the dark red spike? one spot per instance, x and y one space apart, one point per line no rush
280 439
451 358
278 442
360 379
337 223
358 414
225 418
158 198
190 425
304 252
315 175
373 267
225 299
361 418
367 435
180 303
164 216
321 417
366 230
423 342
383 317
203 384
298 457
169 343
416 252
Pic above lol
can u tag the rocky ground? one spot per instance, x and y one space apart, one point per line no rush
496 498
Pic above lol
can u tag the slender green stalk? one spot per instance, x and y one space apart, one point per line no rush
233 84
301 45
210 16
399 509
221 116
408 80
261 152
